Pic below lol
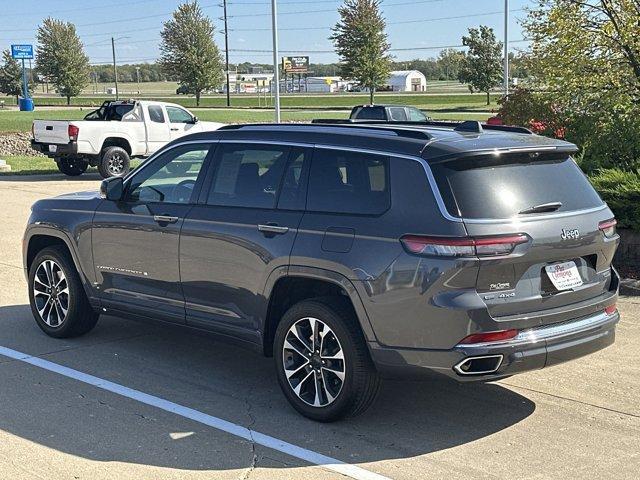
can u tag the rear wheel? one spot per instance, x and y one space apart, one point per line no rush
322 362
114 162
72 166
58 301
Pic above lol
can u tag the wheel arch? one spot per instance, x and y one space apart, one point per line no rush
287 286
42 237
117 141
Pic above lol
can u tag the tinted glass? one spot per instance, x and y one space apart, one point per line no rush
293 192
171 177
348 182
499 188
398 114
416 115
178 115
371 113
247 176
155 114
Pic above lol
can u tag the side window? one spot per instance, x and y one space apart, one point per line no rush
348 182
247 175
416 115
155 114
178 115
169 178
398 114
371 113
293 190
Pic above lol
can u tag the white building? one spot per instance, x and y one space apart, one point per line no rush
323 84
407 81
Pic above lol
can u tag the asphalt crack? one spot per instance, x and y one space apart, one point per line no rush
254 456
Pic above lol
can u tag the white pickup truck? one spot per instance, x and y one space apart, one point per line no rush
113 134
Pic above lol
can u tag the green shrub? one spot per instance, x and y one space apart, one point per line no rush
621 190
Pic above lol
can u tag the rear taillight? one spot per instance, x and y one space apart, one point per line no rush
611 309
463 246
489 337
73 131
608 227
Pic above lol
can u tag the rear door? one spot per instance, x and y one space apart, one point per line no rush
567 258
157 124
242 230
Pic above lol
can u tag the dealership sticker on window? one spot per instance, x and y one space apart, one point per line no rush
564 276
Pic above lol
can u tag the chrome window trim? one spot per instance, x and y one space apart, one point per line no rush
425 165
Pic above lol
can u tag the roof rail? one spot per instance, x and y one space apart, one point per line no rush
364 127
428 123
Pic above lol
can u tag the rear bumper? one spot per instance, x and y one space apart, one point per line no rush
532 349
70 148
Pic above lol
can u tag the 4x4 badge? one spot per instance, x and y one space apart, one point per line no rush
569 234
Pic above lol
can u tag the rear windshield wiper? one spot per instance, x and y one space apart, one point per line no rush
544 207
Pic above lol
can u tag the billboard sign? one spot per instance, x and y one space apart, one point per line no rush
24 52
295 64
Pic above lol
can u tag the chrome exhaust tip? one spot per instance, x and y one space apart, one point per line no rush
479 365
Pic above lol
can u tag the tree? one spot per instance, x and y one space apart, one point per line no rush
481 68
188 52
361 44
10 75
60 57
449 62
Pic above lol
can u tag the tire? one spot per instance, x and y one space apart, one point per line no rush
79 318
114 162
178 167
72 166
361 381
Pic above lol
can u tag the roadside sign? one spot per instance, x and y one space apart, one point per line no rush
24 52
295 64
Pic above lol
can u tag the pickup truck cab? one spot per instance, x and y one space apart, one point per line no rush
388 113
112 135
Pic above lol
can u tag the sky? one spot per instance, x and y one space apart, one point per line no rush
416 29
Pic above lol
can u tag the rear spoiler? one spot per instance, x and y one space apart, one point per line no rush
466 126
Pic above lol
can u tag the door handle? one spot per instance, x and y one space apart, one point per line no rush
165 219
273 229
174 129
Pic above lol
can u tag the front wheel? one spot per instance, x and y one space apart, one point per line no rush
58 301
114 162
322 363
72 166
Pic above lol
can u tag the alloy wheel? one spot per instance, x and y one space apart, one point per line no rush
51 293
115 164
313 362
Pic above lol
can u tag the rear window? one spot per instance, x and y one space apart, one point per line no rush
496 188
370 113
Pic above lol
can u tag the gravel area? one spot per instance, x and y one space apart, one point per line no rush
17 144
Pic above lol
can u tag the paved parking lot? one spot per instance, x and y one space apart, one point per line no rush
578 420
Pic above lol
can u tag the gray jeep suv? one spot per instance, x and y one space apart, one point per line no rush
347 252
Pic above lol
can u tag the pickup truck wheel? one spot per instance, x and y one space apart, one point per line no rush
58 301
72 166
114 162
322 362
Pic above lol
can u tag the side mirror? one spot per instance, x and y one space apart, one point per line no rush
195 119
111 189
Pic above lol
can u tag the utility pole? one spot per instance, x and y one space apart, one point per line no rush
276 73
506 48
226 51
115 68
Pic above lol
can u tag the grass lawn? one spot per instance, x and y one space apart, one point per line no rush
15 121
27 165
431 102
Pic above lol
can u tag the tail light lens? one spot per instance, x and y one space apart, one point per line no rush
611 309
608 227
73 131
488 337
462 246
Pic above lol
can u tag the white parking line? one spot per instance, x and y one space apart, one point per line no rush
215 422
